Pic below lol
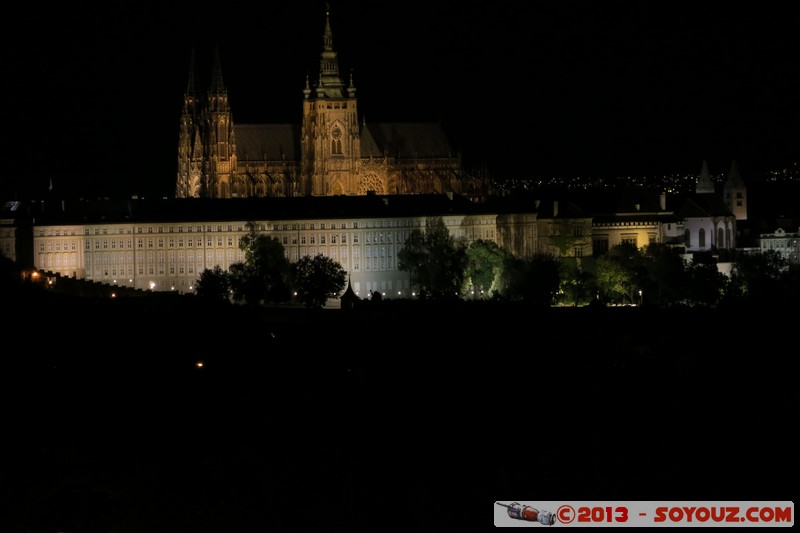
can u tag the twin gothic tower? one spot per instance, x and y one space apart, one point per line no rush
331 152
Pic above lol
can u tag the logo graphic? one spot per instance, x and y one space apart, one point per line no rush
528 513
647 513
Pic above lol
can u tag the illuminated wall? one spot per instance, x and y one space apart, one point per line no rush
171 256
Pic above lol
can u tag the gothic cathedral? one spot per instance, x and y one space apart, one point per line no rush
330 153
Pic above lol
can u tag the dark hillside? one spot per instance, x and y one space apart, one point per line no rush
111 426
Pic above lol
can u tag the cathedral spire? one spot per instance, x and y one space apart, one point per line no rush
330 84
191 84
217 85
190 95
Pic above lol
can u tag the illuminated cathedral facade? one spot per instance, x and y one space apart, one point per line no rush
330 152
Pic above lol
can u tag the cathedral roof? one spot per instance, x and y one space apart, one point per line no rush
276 142
405 140
271 142
703 205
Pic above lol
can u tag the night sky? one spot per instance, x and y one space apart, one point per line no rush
526 89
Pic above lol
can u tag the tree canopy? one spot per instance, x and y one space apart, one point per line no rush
264 274
318 279
436 263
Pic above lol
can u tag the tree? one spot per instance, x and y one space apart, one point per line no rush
620 272
317 279
484 261
214 285
535 280
576 280
263 276
758 277
434 261
665 277
706 284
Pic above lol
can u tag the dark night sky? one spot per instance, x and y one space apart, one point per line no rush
528 89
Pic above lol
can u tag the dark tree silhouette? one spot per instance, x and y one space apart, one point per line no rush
534 280
264 274
705 284
318 279
665 277
758 277
214 285
434 261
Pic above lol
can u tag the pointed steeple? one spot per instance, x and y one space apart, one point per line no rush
349 298
307 89
330 84
734 177
191 84
735 193
217 85
351 89
704 183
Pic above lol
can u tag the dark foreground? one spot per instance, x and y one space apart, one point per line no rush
391 416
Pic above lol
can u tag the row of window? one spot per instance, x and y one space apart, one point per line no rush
377 258
189 242
779 244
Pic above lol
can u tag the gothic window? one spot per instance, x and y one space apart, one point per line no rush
336 141
370 182
720 238
687 240
701 235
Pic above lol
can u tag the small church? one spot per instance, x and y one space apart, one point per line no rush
331 151
710 215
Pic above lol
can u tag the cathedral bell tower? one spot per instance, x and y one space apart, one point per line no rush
190 143
330 140
220 146
206 142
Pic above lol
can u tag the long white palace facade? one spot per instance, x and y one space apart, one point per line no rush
165 245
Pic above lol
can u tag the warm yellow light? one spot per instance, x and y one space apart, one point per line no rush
199 364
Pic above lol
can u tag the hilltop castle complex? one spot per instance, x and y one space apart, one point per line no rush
353 191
